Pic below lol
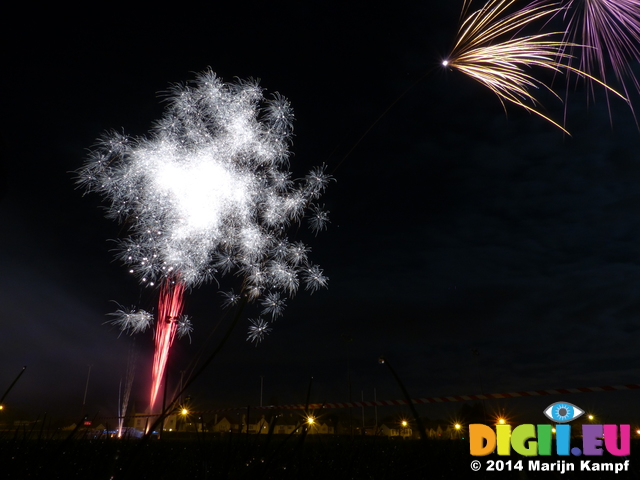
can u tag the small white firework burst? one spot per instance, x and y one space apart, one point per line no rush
273 304
184 327
131 321
318 219
297 253
230 298
224 262
283 276
317 180
258 329
314 278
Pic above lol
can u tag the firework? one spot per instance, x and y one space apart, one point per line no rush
208 194
608 34
170 305
130 320
124 404
490 49
258 329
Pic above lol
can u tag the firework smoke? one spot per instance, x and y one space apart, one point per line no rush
208 194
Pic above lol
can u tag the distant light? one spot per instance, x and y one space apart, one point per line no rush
501 421
184 411
445 63
1 407
590 417
404 423
553 430
310 420
458 426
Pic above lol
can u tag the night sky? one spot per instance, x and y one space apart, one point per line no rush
454 226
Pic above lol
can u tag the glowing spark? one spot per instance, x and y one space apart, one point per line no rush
482 53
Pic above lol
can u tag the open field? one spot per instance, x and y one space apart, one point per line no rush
241 456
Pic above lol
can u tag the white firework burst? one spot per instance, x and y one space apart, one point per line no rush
208 192
318 219
131 321
314 278
297 253
273 304
230 298
184 326
257 331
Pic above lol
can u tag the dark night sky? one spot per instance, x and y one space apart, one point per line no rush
454 226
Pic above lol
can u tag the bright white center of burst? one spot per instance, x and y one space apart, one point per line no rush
202 193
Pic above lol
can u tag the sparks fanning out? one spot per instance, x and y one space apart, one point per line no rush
207 194
603 34
491 49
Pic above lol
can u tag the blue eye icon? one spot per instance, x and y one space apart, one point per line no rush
562 412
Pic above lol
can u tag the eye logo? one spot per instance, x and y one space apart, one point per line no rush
563 412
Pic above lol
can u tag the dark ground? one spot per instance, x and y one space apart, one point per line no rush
239 456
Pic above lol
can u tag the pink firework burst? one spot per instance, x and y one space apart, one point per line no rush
608 36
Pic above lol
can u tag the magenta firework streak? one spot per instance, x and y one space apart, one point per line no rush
170 304
607 34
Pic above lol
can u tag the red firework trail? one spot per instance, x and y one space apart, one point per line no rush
170 304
